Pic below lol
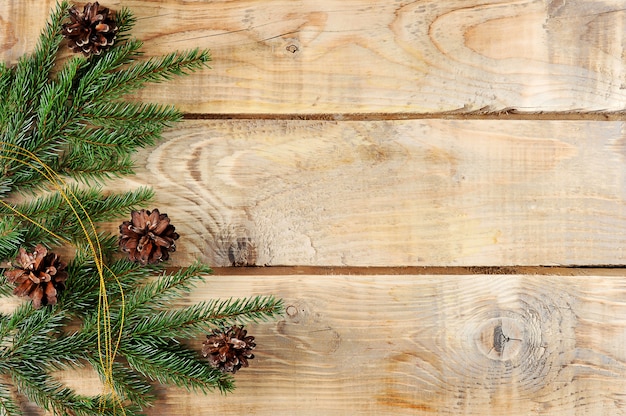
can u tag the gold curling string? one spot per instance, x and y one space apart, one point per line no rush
104 330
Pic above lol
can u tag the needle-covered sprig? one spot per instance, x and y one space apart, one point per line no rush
65 129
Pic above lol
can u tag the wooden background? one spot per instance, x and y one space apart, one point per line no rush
431 185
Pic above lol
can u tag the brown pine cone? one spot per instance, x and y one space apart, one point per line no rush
39 275
230 349
148 237
91 31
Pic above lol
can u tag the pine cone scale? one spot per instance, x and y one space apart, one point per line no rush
137 230
16 275
138 221
40 254
24 289
24 259
101 27
162 242
51 294
144 252
153 219
37 297
129 231
161 225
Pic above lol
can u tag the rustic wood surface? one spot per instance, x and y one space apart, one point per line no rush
392 193
354 185
372 56
414 344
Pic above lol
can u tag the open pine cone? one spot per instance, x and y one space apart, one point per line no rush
230 349
91 31
148 237
39 275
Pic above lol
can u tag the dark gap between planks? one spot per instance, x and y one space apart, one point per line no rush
505 114
415 270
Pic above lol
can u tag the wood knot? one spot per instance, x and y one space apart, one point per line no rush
291 310
501 338
242 252
291 47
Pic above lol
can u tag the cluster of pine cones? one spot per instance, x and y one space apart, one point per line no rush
148 238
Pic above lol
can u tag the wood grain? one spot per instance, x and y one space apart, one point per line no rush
406 345
432 192
392 193
371 56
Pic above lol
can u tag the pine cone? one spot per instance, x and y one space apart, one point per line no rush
229 350
148 237
91 31
40 275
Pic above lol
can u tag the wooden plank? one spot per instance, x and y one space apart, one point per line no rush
392 193
406 345
372 56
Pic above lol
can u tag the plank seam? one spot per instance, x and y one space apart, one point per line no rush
415 270
505 114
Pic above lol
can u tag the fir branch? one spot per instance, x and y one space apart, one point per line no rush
119 113
39 387
76 125
159 69
4 318
93 80
108 244
12 236
35 326
54 118
166 67
127 383
99 206
110 207
97 142
196 319
8 405
31 75
84 280
165 289
173 364
53 110
33 71
45 52
5 289
6 79
52 212
125 22
51 395
89 171
255 309
5 184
